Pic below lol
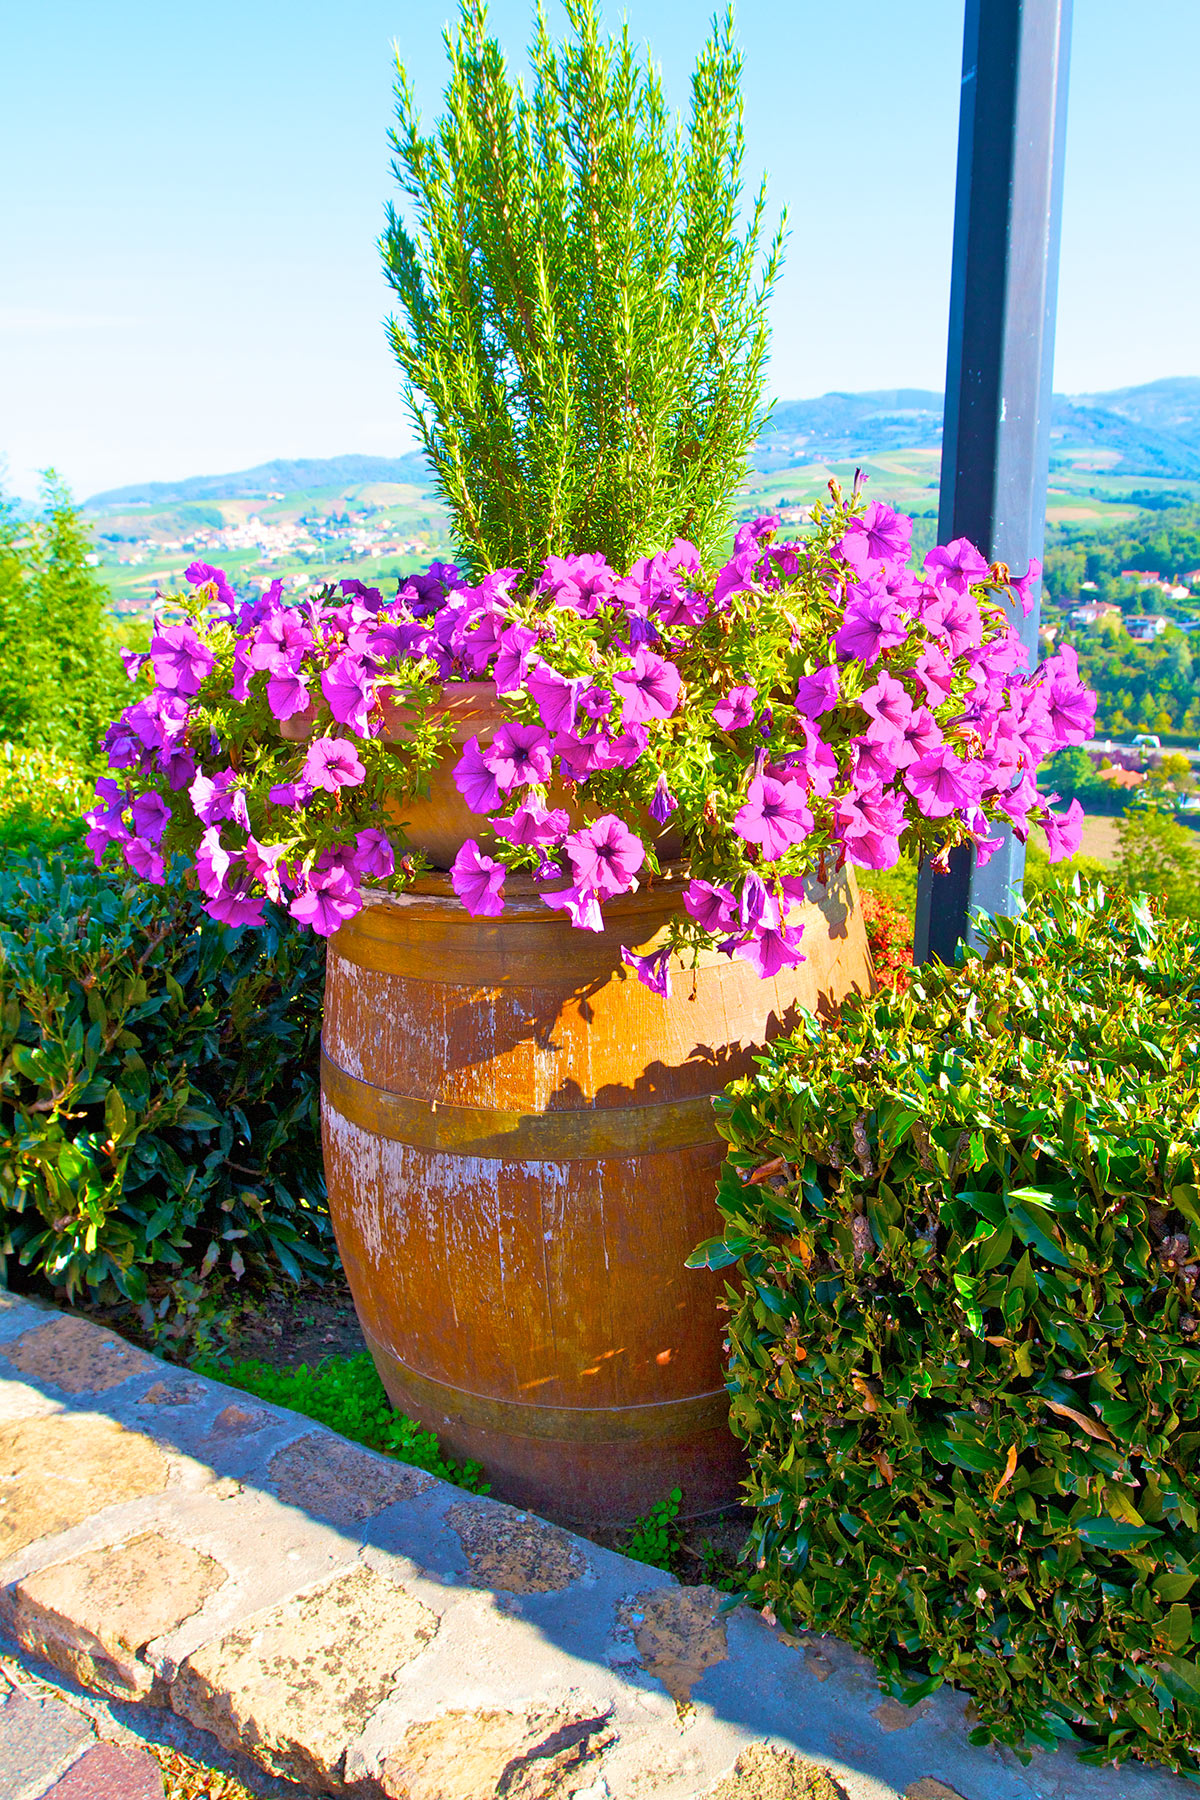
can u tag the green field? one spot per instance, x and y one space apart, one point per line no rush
144 549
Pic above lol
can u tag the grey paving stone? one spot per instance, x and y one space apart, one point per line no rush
39 1740
110 1772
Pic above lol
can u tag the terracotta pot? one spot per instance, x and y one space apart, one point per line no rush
520 1153
440 825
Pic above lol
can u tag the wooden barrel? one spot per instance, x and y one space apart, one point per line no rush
520 1153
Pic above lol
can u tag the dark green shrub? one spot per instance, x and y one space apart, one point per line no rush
61 678
158 1089
345 1393
964 1341
43 797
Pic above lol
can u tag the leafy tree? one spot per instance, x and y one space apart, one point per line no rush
60 676
1162 858
583 325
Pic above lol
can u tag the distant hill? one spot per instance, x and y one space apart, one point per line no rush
271 478
1171 407
1153 430
836 427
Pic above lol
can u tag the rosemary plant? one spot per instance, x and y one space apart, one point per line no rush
582 315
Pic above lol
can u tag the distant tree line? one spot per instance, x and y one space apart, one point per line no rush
1165 542
61 678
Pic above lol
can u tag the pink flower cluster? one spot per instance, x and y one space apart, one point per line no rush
814 704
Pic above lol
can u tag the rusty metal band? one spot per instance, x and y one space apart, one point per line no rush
666 1421
564 1136
458 951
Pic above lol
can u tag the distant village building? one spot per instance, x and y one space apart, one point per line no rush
1145 629
1091 612
1143 577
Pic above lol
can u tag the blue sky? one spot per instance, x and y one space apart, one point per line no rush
190 281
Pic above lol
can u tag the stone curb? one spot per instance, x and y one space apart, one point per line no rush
359 1627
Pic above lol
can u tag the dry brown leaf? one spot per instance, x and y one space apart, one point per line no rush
1010 1469
764 1169
862 1388
883 1463
1092 1426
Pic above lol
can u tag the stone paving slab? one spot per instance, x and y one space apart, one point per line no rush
361 1628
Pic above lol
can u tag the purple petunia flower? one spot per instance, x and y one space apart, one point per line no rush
1023 586
596 703
737 577
180 660
123 746
775 815
211 798
327 902
582 584
1064 831
653 971
287 690
663 803
888 704
581 904
555 697
476 780
331 764
513 658
771 948
942 783
134 661
236 905
605 855
151 816
713 908
918 738
532 824
371 598
879 536
349 687
373 855
213 863
955 619
755 905
650 690
478 881
957 564
198 573
262 866
872 624
518 756
145 861
736 709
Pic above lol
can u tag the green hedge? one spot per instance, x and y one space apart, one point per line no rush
158 1090
964 1340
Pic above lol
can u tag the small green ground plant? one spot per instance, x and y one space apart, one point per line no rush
655 1538
345 1393
159 1127
965 1337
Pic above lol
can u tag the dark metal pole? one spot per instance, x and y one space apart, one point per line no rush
1000 362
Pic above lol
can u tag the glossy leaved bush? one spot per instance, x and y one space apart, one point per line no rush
158 1089
965 1357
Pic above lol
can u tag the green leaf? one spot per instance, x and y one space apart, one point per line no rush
719 1253
1115 1534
